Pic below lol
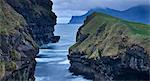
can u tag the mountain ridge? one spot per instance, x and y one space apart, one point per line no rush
137 14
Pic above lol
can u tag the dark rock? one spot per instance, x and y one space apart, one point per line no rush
133 65
39 17
26 24
23 67
55 39
81 37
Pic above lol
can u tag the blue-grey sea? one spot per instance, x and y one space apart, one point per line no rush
52 65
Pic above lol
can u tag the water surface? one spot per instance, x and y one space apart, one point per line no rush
52 65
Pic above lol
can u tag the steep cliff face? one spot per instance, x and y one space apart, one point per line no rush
17 48
39 17
110 49
24 25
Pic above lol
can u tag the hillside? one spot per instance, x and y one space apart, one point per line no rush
109 48
138 14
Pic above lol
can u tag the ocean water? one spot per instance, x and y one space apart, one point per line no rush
52 63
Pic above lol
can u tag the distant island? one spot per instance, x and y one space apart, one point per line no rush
137 14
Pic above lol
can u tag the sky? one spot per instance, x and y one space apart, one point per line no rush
65 9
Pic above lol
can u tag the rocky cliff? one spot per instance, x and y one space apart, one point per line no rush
111 49
21 30
39 17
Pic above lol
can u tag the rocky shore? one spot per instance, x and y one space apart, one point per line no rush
24 26
111 49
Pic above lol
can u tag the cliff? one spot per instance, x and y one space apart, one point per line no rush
110 49
39 17
20 28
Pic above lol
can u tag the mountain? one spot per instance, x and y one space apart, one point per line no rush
24 25
136 14
111 49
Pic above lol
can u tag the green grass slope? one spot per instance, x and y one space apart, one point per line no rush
104 35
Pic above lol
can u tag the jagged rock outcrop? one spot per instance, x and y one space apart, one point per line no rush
21 30
39 17
111 49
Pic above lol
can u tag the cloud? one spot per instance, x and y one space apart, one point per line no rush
88 4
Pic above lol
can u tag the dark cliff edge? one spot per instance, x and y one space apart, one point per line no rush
21 29
111 49
39 17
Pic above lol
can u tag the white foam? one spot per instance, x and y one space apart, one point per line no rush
39 78
42 50
64 62
47 51
79 78
49 59
42 79
60 43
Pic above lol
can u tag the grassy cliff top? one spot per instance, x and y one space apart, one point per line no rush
104 35
9 18
96 19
